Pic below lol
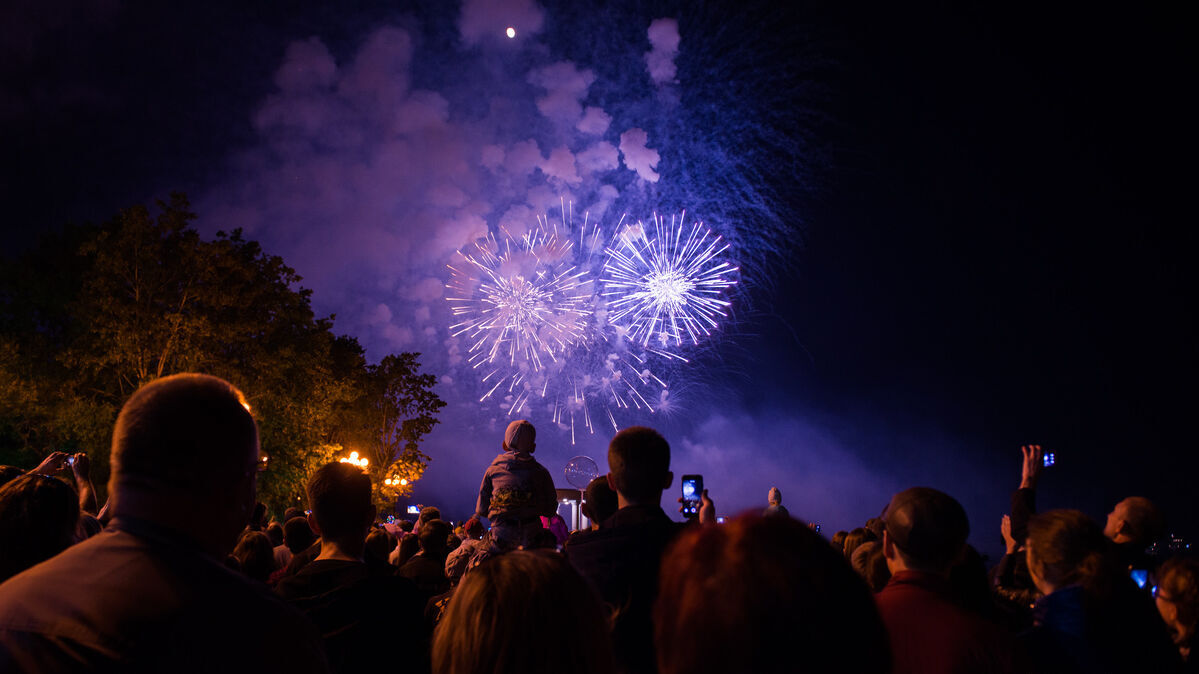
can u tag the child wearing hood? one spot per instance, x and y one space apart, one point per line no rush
516 490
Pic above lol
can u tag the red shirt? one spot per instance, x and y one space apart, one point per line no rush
932 635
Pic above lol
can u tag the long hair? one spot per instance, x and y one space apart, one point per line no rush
1069 548
38 519
524 611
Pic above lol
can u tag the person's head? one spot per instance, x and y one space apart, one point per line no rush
524 611
474 528
255 554
297 535
520 437
838 540
185 454
774 589
774 496
599 500
924 529
1135 520
427 514
274 531
342 511
406 526
856 538
434 539
38 519
291 513
870 564
409 545
639 465
379 544
9 473
1177 598
1065 547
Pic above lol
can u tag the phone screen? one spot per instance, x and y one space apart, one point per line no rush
693 487
1049 459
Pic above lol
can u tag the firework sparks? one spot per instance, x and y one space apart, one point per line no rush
522 303
663 285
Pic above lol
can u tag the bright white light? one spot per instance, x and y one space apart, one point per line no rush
511 32
664 283
403 481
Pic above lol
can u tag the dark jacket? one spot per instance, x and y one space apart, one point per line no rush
1120 634
358 610
141 598
621 560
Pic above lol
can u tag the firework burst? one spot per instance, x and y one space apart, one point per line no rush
521 301
663 284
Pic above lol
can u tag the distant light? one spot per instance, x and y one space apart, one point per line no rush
511 32
403 481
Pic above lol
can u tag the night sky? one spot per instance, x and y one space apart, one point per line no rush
969 227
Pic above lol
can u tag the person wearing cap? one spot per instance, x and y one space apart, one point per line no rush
924 535
775 497
516 491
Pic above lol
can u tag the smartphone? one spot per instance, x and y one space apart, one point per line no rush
693 488
70 461
1048 459
1139 576
413 510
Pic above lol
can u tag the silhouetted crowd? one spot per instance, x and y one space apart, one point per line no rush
181 571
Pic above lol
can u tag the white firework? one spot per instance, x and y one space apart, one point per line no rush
664 284
521 301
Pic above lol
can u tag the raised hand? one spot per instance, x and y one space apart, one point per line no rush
1005 528
1034 458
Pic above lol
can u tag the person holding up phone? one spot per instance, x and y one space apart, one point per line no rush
621 558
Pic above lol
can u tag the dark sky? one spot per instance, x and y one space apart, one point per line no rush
992 203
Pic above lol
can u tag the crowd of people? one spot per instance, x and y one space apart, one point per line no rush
182 570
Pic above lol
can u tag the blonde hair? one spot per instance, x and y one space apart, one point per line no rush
525 611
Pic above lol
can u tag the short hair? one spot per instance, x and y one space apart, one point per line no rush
508 598
297 535
599 501
871 565
428 513
434 538
1144 520
340 496
405 525
785 596
274 531
639 458
1069 548
186 432
1178 583
292 512
38 519
838 540
928 526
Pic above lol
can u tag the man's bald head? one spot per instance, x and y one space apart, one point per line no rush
187 433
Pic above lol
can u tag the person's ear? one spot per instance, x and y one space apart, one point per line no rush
316 528
669 480
611 482
888 545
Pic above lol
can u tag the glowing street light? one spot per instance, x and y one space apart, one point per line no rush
353 458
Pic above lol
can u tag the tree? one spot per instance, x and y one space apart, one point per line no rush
97 311
397 408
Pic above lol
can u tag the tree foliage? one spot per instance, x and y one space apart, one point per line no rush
95 312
